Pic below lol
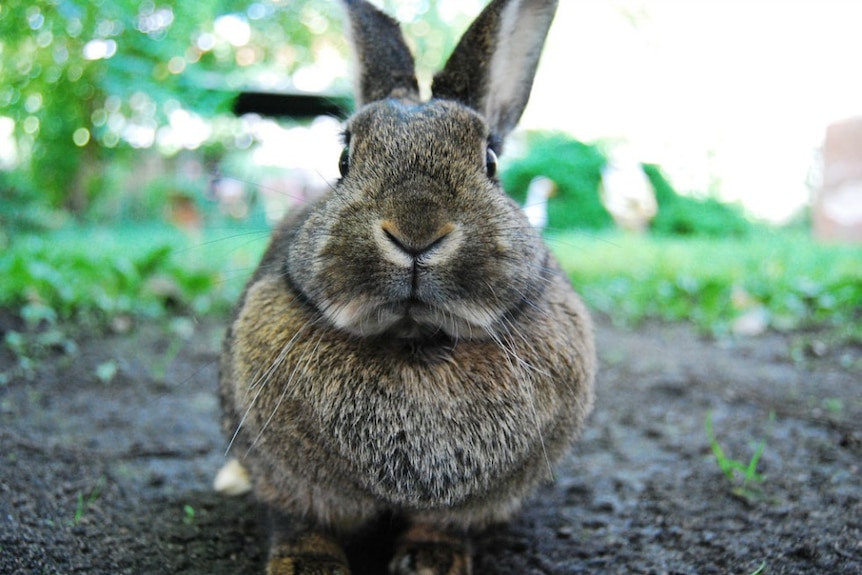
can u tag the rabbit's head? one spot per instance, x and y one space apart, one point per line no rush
417 239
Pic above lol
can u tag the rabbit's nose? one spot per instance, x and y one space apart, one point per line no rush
416 244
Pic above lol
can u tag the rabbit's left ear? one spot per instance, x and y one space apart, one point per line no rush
492 68
384 63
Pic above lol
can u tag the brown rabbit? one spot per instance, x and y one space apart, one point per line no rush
408 345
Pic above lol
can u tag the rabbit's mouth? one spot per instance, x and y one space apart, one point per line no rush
410 329
414 319
420 321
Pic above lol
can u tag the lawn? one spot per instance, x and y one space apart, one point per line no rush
781 278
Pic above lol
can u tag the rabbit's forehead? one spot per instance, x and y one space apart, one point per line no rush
395 123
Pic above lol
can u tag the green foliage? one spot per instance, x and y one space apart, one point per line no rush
86 274
85 500
794 282
21 208
686 216
154 200
575 167
86 82
188 514
96 277
77 77
734 467
151 270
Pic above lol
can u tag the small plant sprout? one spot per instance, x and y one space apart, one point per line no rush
733 469
833 405
85 501
188 514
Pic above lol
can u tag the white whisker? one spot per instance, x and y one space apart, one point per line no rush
526 393
260 382
302 362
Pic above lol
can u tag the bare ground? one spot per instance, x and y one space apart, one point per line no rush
109 447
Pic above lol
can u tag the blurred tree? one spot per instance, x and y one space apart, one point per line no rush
90 83
85 81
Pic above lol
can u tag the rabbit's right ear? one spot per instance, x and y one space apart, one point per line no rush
492 68
384 63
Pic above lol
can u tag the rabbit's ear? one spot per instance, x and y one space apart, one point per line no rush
384 63
492 68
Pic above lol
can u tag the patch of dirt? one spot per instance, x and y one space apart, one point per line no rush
109 449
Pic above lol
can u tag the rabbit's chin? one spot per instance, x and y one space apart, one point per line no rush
414 319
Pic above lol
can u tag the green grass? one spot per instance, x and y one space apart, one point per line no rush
742 475
153 270
791 281
145 270
85 500
188 514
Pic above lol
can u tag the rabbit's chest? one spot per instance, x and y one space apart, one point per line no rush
432 448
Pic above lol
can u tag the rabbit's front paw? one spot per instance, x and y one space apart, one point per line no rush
310 564
306 554
424 551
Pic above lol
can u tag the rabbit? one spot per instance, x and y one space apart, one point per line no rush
408 346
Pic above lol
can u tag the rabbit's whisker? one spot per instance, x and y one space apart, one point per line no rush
270 189
328 183
303 362
524 389
257 235
260 381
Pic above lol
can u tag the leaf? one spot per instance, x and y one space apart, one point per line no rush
150 262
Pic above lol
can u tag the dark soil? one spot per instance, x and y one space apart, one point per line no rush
110 445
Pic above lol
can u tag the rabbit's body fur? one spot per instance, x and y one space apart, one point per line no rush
341 427
408 345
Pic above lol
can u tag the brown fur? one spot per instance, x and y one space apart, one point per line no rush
407 345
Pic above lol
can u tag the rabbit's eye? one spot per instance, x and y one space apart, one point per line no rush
344 161
490 162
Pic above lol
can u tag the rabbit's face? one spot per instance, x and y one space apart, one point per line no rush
417 238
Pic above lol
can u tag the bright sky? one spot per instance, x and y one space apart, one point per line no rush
738 91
